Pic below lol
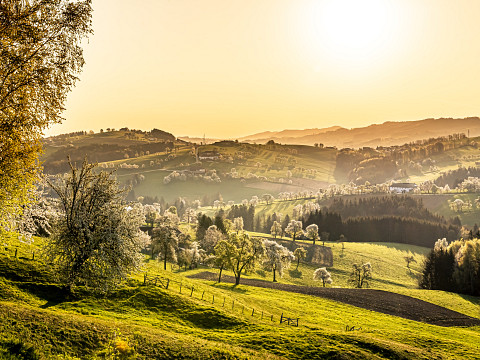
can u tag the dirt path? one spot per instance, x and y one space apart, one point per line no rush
377 300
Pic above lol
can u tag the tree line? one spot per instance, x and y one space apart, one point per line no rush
453 267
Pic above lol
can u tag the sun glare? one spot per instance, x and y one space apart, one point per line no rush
355 32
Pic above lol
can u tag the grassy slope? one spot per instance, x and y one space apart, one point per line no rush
166 324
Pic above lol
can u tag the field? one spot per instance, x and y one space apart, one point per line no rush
221 321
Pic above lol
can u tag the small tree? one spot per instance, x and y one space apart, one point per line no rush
165 239
361 275
300 253
267 198
294 229
409 259
276 229
312 232
322 274
325 236
238 224
277 257
97 239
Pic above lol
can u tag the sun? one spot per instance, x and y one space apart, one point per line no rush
355 32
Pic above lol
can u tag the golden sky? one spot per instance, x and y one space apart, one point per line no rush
229 68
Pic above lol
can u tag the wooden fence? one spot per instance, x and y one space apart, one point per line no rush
229 303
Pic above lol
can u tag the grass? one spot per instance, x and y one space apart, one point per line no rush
37 320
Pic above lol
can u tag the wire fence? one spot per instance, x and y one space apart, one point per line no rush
226 302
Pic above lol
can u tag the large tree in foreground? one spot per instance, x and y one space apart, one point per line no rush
40 58
97 240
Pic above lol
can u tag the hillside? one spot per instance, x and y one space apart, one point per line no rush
165 167
389 133
198 319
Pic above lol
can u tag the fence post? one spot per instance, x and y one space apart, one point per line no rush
33 256
281 318
145 279
156 281
297 322
243 308
223 301
233 304
213 299
203 294
253 311
16 252
262 315
271 317
180 287
191 292
168 283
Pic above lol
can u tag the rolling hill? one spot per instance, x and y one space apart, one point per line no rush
196 319
389 133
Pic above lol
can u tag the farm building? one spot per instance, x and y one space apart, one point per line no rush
402 188
209 155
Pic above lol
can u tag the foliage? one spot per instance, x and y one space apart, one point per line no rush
361 275
324 275
247 213
277 257
294 229
300 253
40 58
276 229
211 238
243 253
311 232
96 241
165 239
453 267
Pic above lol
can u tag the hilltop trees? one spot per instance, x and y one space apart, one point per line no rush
97 240
39 59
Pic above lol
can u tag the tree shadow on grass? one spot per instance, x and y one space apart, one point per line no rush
297 274
262 273
231 287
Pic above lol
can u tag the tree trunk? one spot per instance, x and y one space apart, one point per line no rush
274 273
298 263
165 261
220 274
313 241
237 279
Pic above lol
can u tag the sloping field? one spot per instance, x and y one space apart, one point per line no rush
376 300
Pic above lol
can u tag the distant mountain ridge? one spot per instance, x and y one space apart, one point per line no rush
389 133
288 133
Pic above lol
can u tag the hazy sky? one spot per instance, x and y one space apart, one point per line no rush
229 68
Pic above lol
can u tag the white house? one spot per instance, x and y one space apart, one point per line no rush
402 188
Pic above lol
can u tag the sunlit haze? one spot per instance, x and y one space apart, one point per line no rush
232 68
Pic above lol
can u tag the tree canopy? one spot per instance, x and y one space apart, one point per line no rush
97 240
40 58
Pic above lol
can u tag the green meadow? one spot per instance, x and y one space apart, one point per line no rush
220 321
